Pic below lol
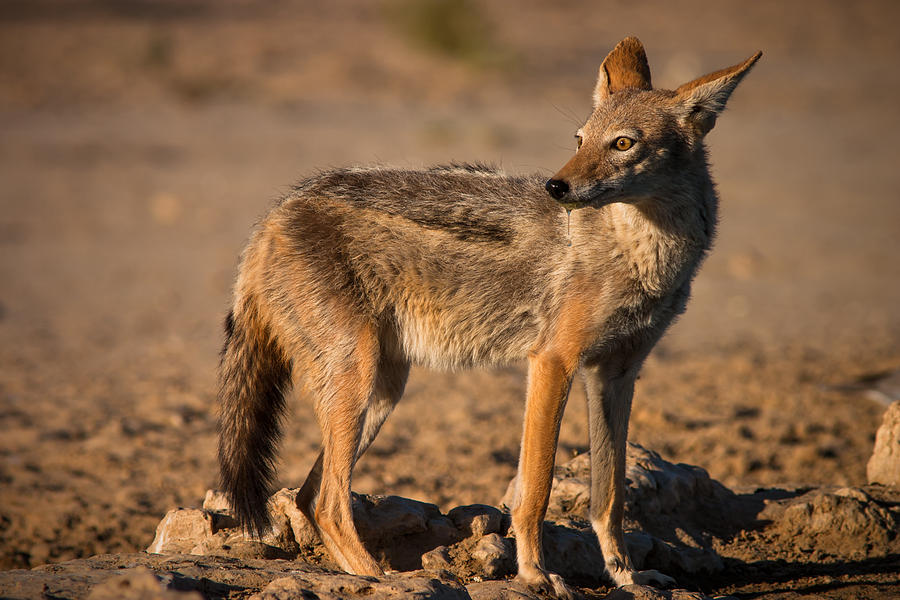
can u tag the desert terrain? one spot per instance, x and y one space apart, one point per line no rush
141 140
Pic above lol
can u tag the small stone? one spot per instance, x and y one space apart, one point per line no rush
437 560
884 465
476 520
288 518
181 530
855 493
494 555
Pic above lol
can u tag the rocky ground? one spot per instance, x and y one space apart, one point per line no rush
679 521
141 141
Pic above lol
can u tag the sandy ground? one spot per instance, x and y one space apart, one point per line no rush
142 140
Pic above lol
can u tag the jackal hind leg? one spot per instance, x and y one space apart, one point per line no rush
389 384
350 418
548 388
609 408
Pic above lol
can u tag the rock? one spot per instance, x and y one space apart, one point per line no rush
476 520
181 530
855 493
287 516
437 559
495 556
672 510
197 531
661 496
572 492
884 465
572 551
398 531
380 517
843 522
139 583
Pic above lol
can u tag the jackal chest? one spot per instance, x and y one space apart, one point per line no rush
635 326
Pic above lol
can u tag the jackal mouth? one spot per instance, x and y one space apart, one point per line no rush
595 196
572 205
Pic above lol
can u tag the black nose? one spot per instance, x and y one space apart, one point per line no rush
557 188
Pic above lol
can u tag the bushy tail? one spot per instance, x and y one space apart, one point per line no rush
254 374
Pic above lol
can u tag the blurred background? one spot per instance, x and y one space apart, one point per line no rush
141 139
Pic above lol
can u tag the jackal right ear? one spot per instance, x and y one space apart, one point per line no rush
625 67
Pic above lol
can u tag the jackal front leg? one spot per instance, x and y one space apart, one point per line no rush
609 407
548 388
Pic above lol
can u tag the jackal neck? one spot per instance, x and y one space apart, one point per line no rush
663 242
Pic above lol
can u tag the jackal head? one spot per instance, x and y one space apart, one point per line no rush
642 143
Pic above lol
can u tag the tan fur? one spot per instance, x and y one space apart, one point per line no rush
360 272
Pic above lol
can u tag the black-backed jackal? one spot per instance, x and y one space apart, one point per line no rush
359 273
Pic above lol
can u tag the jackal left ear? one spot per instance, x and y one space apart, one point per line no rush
704 98
625 67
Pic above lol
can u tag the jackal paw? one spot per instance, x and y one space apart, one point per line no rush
649 577
547 583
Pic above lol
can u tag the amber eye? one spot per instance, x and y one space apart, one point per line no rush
578 141
623 143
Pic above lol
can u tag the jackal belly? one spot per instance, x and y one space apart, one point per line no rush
477 310
449 337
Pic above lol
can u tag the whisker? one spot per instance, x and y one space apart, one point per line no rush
561 147
568 114
544 170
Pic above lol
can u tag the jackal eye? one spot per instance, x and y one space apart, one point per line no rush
623 143
578 141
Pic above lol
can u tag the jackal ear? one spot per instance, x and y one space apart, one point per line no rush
704 98
625 67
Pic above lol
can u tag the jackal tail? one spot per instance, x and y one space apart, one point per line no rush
254 375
